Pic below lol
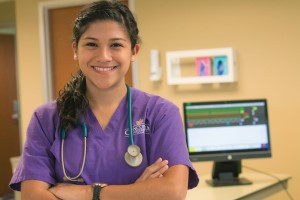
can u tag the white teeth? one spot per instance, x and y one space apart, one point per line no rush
103 69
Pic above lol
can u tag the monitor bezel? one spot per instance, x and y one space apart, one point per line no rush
229 155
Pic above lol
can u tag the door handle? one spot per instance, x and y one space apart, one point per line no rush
15 114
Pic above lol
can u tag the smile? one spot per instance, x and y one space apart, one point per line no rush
104 69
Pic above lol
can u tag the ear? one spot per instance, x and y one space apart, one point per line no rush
74 51
135 51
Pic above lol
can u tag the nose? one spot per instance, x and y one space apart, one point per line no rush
104 54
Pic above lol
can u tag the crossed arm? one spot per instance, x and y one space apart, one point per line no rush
158 181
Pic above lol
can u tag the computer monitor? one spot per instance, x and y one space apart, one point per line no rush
227 132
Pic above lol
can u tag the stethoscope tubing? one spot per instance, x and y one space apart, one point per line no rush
129 115
63 136
85 134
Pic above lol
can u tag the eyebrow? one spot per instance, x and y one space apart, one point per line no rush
112 39
89 38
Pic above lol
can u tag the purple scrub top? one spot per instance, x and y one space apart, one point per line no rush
157 129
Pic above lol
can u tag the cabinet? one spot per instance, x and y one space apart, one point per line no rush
185 67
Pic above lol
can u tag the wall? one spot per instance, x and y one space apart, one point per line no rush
265 34
7 18
29 60
7 14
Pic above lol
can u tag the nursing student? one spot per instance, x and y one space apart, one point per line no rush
102 139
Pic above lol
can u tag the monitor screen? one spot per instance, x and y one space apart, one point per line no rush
223 131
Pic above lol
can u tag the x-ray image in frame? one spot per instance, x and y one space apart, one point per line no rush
203 66
220 65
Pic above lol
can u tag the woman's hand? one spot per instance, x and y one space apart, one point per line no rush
67 191
156 170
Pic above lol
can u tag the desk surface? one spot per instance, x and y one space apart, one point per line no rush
262 186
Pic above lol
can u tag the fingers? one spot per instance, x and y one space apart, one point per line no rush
156 170
159 168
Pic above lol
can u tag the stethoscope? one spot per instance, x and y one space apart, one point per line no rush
133 155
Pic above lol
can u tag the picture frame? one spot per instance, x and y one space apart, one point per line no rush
220 64
203 66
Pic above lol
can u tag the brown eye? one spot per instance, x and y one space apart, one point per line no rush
117 45
91 44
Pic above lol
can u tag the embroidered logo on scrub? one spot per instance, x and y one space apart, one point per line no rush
140 128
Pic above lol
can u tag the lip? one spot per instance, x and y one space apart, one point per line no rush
104 69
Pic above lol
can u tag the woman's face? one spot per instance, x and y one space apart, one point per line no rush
104 54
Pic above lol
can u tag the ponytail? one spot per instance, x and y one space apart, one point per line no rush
72 101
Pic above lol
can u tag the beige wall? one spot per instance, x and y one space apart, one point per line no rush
264 33
29 60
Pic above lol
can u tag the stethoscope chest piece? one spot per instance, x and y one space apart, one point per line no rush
133 156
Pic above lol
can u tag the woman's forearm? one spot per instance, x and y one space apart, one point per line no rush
148 190
173 185
36 190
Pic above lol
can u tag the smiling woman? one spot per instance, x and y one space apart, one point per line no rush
97 110
58 16
105 49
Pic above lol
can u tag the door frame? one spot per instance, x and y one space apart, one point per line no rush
44 8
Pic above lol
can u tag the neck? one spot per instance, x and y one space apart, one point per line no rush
106 97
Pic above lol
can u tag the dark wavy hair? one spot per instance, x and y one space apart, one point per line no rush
72 102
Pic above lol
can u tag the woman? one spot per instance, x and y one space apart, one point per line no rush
59 162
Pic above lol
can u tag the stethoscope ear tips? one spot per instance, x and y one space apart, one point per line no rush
133 156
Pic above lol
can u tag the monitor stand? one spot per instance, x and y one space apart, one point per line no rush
227 174
228 182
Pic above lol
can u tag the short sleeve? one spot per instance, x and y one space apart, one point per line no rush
36 162
168 140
